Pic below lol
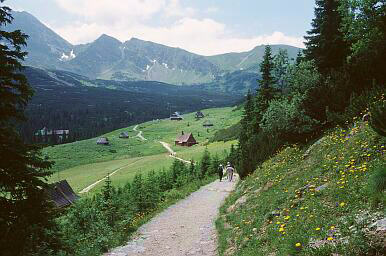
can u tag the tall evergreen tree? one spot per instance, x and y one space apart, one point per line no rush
25 216
280 68
205 163
266 67
325 42
299 58
266 91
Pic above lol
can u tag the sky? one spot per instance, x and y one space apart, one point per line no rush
206 27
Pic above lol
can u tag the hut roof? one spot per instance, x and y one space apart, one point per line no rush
103 140
199 114
61 194
207 123
124 135
184 137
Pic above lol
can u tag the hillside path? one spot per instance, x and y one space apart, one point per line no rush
88 188
139 135
184 229
173 153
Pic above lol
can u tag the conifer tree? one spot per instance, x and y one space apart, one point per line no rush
299 58
280 68
325 42
205 163
137 194
266 67
266 92
25 215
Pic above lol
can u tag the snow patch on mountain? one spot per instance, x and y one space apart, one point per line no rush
66 57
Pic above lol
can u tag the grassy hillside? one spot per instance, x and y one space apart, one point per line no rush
324 200
84 162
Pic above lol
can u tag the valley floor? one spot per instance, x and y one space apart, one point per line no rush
186 228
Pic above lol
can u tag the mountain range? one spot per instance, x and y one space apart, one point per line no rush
110 59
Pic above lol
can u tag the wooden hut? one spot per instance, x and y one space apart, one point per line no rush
176 116
124 135
186 140
199 115
103 141
207 123
61 194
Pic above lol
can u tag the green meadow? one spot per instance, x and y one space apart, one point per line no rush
83 162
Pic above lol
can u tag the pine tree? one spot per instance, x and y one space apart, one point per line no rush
280 68
266 67
108 207
266 92
137 194
26 218
214 164
205 163
325 42
299 58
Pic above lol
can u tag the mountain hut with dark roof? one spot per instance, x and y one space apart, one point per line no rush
186 140
103 141
61 194
124 135
199 115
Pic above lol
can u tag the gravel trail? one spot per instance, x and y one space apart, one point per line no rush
88 188
139 135
184 229
172 153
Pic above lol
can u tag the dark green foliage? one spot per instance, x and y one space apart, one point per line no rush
364 26
377 183
378 115
266 68
26 218
325 42
205 163
214 165
227 134
378 179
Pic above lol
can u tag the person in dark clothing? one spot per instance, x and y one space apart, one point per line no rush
220 171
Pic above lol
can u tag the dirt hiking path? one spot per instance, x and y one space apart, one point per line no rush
139 135
172 153
184 229
88 188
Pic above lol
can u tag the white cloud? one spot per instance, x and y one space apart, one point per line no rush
125 19
212 10
100 11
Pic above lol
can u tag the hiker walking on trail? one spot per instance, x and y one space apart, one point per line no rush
230 171
220 171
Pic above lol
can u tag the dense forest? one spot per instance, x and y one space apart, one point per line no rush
63 101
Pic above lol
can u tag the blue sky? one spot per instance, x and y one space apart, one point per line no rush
202 26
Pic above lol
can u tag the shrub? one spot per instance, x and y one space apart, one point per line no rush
287 120
377 182
378 115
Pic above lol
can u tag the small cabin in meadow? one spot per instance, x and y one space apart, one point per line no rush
61 194
199 115
176 116
207 123
124 135
186 140
103 141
